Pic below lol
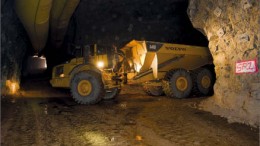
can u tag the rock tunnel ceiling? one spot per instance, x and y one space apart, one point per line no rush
94 21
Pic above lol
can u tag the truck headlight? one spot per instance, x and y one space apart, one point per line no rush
138 67
58 71
62 75
100 64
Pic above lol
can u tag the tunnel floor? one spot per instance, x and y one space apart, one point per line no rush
40 115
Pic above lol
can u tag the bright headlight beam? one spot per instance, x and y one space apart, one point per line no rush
100 64
138 67
62 75
13 86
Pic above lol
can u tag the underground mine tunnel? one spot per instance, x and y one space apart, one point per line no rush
115 63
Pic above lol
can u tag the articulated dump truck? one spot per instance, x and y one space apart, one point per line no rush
172 69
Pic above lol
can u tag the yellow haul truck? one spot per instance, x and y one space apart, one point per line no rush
88 78
173 69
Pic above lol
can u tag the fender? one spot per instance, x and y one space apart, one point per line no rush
83 67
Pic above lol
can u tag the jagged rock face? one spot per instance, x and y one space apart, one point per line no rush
14 44
232 28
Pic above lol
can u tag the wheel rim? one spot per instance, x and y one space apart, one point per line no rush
182 83
84 88
205 81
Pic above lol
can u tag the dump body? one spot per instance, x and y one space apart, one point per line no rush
152 60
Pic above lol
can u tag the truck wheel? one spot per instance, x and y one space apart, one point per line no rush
87 87
111 93
177 84
202 82
153 90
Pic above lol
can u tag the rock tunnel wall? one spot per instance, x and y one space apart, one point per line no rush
14 45
232 28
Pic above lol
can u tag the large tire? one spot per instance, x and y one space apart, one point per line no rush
202 82
87 87
153 90
177 84
111 93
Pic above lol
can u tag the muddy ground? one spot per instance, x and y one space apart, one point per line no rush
40 115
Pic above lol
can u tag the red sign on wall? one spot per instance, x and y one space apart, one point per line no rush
249 66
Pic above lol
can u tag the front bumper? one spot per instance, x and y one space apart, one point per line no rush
60 82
